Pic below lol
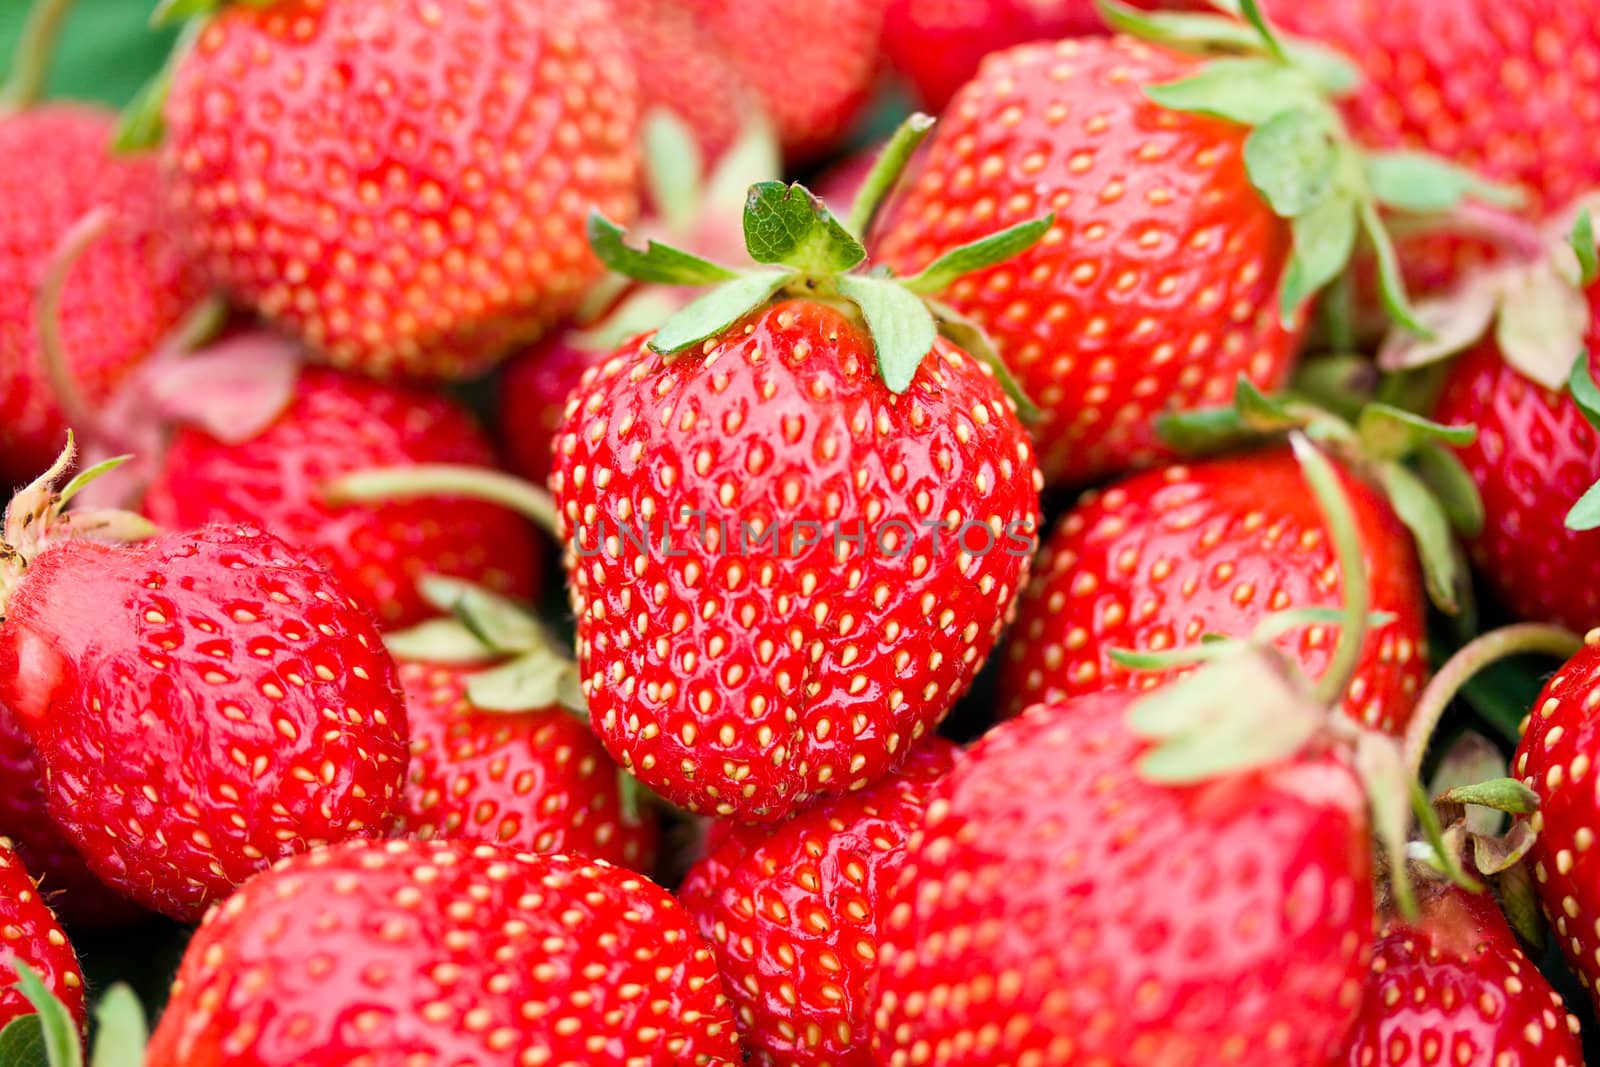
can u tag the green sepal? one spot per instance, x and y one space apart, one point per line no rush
1585 514
1519 899
887 170
1470 759
438 641
1443 569
1391 283
673 169
1289 158
59 1032
498 623
142 125
1500 794
1447 478
541 678
1582 241
22 1043
789 226
1269 37
1445 853
714 312
901 323
1585 393
1390 433
1324 240
1383 774
1246 91
658 263
1496 855
1251 416
122 1030
979 254
1426 184
83 478
971 339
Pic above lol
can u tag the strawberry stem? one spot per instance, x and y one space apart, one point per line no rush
52 341
1473 657
424 481
886 172
31 59
1346 537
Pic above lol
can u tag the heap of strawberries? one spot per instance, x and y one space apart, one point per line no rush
499 573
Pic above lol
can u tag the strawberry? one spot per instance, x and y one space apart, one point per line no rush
30 934
495 753
333 425
533 396
1057 906
700 83
403 186
445 952
1186 245
1454 987
128 291
247 700
793 910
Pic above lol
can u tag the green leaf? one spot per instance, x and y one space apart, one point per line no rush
1543 322
1248 91
902 326
1290 161
22 1044
971 339
123 1032
673 169
716 311
1391 283
1585 393
1501 794
1252 14
887 170
786 224
1585 514
658 263
438 641
1446 477
535 681
1324 238
1582 241
984 252
83 478
61 1039
1426 184
1390 433
500 624
1443 568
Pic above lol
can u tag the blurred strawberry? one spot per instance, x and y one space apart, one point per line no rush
30 935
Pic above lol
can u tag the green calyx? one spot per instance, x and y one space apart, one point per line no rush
802 250
1409 458
35 48
1299 155
50 1037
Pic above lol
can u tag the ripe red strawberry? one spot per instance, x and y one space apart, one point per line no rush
29 933
533 398
404 186
534 779
128 291
445 953
1560 745
1057 906
1165 557
334 425
200 705
793 911
700 82
1454 987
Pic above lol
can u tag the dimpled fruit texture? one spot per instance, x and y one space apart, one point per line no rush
792 912
1556 758
446 953
1162 559
533 397
1087 918
1455 988
202 705
1156 287
402 183
534 780
337 425
1534 456
130 288
747 667
30 933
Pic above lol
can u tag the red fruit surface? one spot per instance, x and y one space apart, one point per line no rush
30 933
792 912
404 185
744 670
127 292
1084 917
681 67
1159 560
535 780
1454 987
201 705
1560 745
1535 455
1156 287
335 425
446 953
533 400
812 66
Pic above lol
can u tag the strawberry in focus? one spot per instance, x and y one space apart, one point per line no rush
29 933
445 952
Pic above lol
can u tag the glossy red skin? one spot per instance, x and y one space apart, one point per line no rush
1535 455
199 678
1454 987
792 912
741 678
447 953
1214 547
536 780
1560 744
29 932
335 425
533 399
1157 286
1085 917
402 185
75 894
812 66
128 291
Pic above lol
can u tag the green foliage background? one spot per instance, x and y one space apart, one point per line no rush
107 51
